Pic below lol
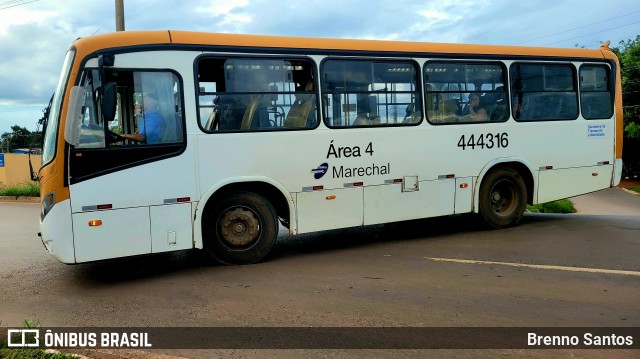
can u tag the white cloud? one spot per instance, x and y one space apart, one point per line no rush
231 13
21 16
223 7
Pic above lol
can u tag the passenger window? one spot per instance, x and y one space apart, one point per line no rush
595 92
370 93
543 92
460 92
246 94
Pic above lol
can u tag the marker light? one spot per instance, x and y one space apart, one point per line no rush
47 203
95 223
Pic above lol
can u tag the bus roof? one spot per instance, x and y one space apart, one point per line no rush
169 37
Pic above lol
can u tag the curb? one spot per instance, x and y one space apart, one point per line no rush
21 199
630 191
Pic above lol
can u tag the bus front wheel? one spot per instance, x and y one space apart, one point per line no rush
502 199
240 228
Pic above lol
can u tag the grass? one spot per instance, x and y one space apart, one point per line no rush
6 353
634 189
561 206
26 189
31 354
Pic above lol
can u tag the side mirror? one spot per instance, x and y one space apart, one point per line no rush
109 101
74 115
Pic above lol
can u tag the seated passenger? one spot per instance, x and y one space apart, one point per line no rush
412 116
477 112
227 113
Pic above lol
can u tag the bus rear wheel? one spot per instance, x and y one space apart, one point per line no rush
502 199
240 228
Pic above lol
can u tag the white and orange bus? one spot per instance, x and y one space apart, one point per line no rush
167 140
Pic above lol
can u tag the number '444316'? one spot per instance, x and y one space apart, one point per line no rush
484 141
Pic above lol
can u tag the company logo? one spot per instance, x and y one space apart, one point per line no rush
23 338
320 171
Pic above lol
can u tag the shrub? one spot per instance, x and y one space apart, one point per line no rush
26 189
561 206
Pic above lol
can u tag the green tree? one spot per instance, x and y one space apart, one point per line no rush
628 53
19 137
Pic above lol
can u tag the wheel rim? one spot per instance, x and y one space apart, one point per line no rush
503 197
239 227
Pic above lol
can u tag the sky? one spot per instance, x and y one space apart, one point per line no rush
35 34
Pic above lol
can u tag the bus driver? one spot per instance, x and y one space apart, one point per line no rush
152 124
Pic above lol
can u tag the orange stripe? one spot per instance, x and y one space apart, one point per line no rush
132 38
619 113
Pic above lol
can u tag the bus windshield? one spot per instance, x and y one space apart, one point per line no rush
50 136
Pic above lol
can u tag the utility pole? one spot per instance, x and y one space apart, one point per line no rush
119 15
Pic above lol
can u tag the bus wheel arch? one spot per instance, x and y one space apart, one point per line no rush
239 222
504 191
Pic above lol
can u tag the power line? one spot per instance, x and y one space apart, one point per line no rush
576 28
14 5
593 33
9 2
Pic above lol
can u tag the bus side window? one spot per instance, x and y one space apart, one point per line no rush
255 94
595 92
367 93
465 92
544 92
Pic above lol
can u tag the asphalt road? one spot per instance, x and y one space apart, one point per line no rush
439 272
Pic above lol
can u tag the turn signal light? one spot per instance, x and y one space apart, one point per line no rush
95 223
329 198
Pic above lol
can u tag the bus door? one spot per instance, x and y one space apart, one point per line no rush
131 178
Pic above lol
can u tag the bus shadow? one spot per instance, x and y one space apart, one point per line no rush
423 229
429 229
131 269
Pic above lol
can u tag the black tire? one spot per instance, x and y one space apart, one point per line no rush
503 197
239 228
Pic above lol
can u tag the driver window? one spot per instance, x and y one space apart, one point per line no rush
148 110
